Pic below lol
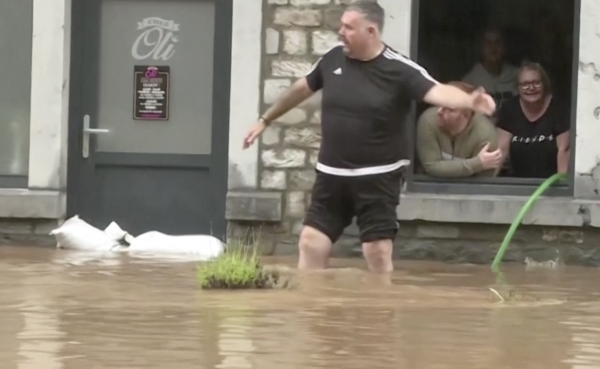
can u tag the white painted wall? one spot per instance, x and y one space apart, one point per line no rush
245 91
397 24
49 94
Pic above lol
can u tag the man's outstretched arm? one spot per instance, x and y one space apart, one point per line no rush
454 98
299 91
448 96
421 86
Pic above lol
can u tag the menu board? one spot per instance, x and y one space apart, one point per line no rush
151 92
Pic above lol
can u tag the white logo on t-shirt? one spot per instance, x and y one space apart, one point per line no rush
534 139
338 71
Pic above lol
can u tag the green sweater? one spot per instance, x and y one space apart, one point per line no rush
444 156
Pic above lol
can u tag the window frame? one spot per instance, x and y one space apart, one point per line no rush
417 183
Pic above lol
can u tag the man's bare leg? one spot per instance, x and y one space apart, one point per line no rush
378 255
315 248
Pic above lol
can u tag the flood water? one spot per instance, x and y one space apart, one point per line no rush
58 310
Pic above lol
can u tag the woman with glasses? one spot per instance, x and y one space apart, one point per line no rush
533 127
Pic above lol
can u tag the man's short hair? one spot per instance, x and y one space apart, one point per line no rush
372 11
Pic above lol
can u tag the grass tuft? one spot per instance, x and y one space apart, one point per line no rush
237 268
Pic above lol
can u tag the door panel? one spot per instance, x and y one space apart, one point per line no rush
146 205
166 175
129 32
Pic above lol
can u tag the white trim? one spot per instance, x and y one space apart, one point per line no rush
388 53
246 59
50 63
380 169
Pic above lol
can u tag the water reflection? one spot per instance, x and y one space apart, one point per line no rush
125 313
40 339
585 328
234 343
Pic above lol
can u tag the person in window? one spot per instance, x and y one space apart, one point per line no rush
533 128
493 73
457 142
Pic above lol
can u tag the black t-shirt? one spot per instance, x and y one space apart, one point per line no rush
364 106
533 147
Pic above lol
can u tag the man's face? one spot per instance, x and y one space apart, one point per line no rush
493 47
451 119
355 31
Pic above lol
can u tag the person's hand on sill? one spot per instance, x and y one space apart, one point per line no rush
490 159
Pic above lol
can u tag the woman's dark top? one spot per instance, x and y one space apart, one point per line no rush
533 147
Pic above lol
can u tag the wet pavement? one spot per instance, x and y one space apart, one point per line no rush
60 310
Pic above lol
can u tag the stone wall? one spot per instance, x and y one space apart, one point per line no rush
27 232
455 243
479 243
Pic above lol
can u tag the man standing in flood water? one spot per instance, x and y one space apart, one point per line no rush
367 92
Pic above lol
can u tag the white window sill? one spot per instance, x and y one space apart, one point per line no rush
25 203
487 209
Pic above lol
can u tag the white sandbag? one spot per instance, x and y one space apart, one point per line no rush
77 234
115 231
194 247
125 239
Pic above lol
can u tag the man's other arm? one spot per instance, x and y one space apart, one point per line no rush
423 87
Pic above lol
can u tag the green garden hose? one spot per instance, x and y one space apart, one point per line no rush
515 224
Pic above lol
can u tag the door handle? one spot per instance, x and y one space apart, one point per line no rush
87 131
95 130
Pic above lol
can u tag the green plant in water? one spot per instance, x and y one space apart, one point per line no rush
237 268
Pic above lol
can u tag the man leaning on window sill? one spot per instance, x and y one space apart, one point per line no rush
455 143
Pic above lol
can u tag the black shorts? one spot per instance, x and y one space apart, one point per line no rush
372 199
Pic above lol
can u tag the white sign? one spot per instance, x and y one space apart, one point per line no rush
157 41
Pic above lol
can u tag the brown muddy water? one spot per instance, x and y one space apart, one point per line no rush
61 310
